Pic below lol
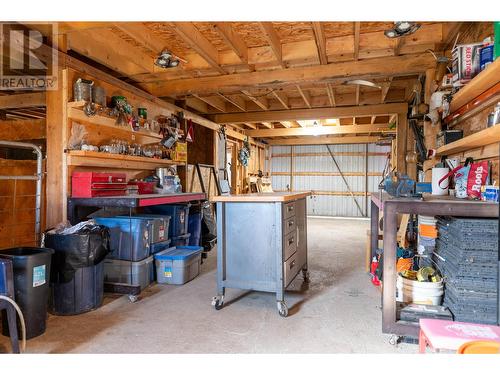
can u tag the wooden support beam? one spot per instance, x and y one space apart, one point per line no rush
331 94
319 37
323 140
260 101
20 130
190 34
251 126
32 99
311 114
197 104
330 73
214 101
305 96
286 124
267 125
237 101
357 28
385 89
401 135
274 41
358 93
142 34
373 119
398 43
232 39
281 98
318 130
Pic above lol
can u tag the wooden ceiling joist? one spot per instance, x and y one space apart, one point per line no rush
331 94
267 125
251 126
331 73
19 130
274 41
232 39
190 34
357 28
385 89
319 37
260 101
142 34
237 101
214 101
323 140
281 98
319 130
305 96
36 99
311 114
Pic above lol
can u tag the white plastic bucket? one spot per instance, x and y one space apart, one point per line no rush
437 175
425 293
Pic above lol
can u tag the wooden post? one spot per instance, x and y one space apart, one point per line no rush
401 135
366 180
291 168
57 136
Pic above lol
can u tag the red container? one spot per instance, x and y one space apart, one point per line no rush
96 184
144 187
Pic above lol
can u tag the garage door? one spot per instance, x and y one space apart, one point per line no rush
312 168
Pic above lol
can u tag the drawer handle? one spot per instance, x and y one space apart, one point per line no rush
292 264
290 223
291 241
290 208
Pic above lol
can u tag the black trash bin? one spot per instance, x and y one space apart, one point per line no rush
77 277
31 266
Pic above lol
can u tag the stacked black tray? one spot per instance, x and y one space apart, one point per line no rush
466 254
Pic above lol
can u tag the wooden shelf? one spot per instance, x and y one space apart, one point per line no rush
114 161
478 85
75 112
479 139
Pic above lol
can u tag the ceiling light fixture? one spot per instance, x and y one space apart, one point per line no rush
167 60
402 28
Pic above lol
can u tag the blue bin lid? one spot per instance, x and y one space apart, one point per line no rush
178 252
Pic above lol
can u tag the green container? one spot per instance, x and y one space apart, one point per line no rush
143 113
496 51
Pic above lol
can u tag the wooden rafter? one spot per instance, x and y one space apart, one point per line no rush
305 96
281 98
385 89
260 101
237 101
267 125
319 130
331 94
358 93
232 39
357 28
312 114
373 119
399 42
323 140
286 124
251 126
330 73
274 41
36 99
142 34
214 101
190 34
319 37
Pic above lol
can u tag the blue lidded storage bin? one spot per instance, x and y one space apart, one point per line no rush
159 246
159 226
178 265
179 217
129 237
194 228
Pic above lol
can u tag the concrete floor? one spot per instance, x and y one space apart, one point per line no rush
338 313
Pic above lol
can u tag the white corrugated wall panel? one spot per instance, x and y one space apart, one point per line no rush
330 205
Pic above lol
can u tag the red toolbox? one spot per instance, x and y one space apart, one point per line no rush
96 184
145 187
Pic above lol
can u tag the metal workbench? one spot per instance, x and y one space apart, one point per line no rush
430 206
261 243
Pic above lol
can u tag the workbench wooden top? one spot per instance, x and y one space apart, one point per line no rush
262 197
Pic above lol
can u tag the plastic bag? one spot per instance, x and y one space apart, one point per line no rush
78 136
461 182
477 177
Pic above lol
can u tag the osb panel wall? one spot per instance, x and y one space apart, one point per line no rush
17 205
202 149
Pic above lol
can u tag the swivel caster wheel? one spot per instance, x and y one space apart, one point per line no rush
218 302
394 340
305 275
282 309
133 298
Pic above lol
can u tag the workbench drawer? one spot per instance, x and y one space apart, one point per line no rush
289 245
290 268
288 210
289 225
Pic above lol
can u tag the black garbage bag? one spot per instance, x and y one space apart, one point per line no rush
87 247
208 226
